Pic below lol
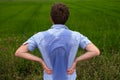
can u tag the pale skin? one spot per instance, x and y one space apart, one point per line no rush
91 51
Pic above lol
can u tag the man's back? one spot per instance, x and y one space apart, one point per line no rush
59 47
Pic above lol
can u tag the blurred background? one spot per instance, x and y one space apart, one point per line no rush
99 20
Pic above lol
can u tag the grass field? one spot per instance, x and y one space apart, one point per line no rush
99 20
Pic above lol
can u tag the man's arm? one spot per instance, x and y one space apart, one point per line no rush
91 51
23 52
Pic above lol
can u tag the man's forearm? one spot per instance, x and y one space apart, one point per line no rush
92 51
85 56
29 56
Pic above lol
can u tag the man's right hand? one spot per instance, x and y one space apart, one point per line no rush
47 70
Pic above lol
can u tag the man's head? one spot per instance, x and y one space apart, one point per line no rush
59 13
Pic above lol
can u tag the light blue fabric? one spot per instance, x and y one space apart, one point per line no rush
58 47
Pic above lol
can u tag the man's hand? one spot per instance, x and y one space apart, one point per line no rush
47 70
72 69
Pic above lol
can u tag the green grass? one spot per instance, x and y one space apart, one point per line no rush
98 20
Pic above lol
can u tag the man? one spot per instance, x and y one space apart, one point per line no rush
58 47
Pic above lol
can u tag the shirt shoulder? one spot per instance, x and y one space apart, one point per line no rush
76 34
83 40
39 35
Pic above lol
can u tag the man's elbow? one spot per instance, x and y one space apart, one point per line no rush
17 53
97 52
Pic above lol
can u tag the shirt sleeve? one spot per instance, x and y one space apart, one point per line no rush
84 41
31 43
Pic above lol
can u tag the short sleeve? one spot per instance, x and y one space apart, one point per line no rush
84 41
31 43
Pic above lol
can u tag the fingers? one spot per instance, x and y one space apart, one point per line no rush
70 71
48 71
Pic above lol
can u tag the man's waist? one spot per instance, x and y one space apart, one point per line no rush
50 76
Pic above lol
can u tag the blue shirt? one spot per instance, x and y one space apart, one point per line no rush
58 47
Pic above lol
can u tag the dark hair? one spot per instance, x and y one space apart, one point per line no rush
59 13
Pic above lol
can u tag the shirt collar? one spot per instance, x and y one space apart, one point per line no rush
59 26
